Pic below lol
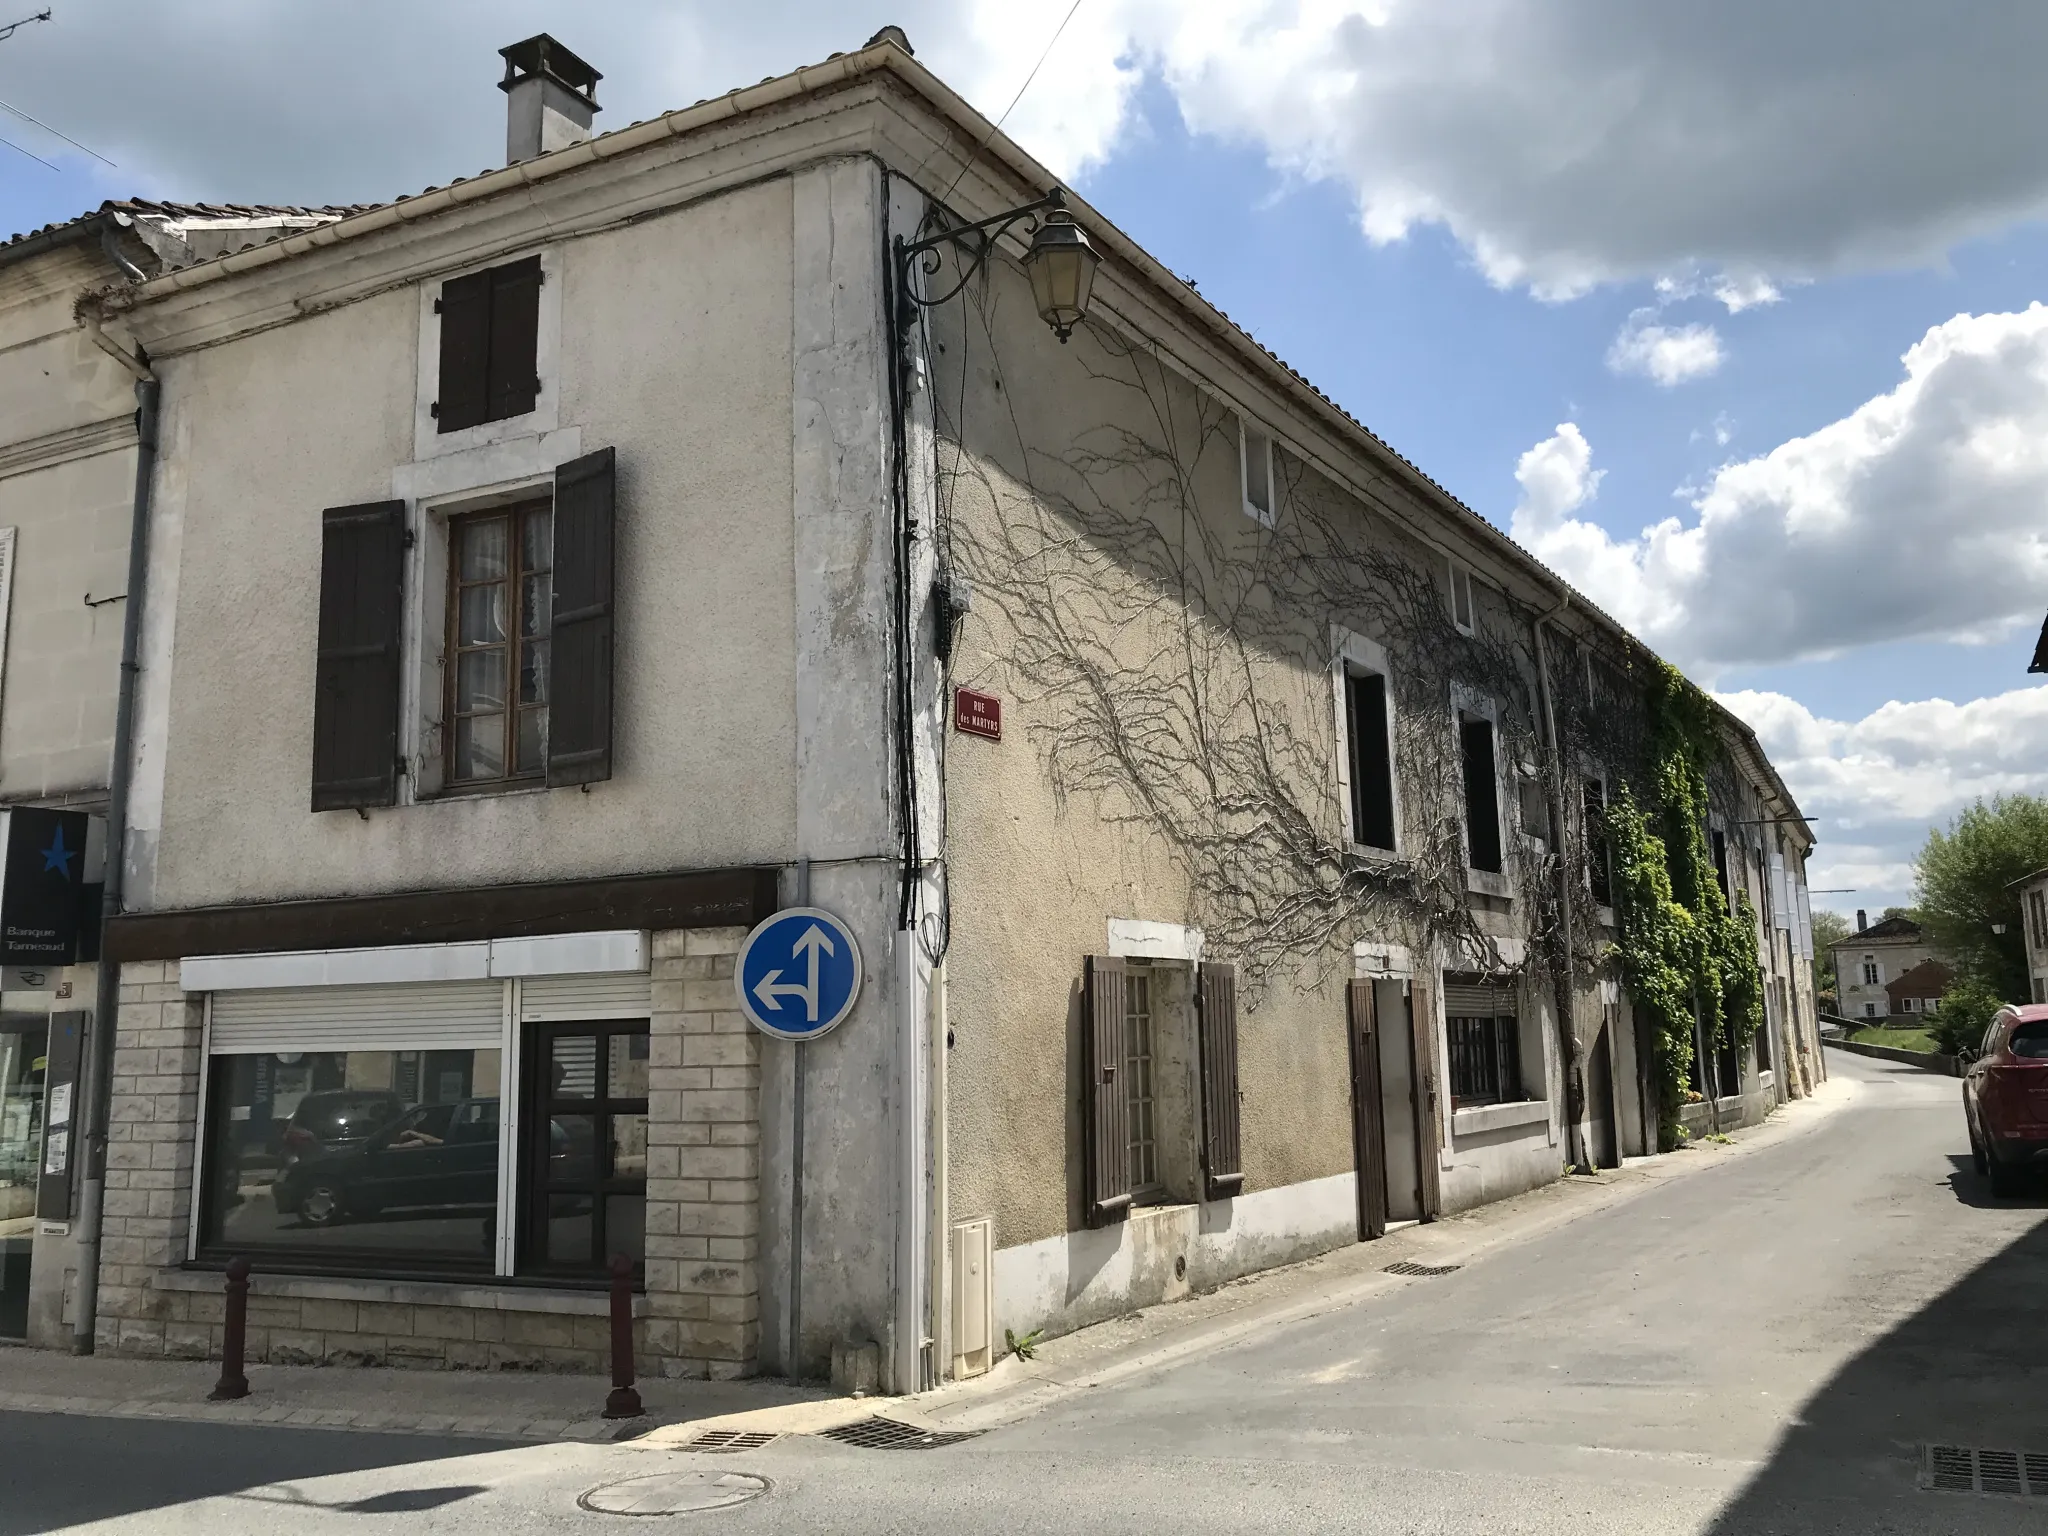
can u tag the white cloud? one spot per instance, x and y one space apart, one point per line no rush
1923 514
1666 354
1564 142
1877 784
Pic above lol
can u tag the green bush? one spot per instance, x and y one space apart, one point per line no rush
1965 1013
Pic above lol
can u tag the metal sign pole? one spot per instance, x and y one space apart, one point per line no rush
793 1361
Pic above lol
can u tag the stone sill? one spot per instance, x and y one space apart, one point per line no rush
418 1293
1484 882
1499 1117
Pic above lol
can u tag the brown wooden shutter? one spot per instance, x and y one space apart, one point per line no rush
580 696
1222 1154
1368 1115
465 353
1105 1116
513 378
1428 1126
356 677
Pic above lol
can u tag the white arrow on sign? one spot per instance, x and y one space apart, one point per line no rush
770 989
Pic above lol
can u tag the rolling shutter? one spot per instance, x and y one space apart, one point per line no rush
1477 1000
1105 1118
455 1014
618 995
1222 1155
1428 1125
580 707
465 307
512 381
356 676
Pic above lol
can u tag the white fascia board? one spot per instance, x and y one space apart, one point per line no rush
571 954
1140 938
336 967
560 954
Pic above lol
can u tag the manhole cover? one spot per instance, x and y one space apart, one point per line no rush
1973 1469
1409 1267
674 1493
879 1434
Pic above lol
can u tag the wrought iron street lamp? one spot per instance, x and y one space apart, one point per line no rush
1060 262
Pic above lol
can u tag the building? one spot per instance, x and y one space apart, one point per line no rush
68 445
1873 957
1919 990
554 574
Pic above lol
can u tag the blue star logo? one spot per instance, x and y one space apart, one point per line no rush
58 857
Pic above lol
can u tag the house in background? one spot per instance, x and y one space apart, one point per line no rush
1918 992
1871 959
2033 894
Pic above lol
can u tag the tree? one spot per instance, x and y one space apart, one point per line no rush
1829 929
1962 889
1964 1015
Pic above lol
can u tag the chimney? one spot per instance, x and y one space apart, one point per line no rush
551 96
1862 922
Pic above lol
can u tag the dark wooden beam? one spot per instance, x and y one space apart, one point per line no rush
727 898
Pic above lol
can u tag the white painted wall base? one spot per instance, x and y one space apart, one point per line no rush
1164 1253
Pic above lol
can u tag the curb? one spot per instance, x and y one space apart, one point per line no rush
279 1416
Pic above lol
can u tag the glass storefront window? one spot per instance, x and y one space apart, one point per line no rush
22 1066
585 1178
386 1160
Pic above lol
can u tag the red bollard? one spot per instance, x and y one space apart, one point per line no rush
624 1402
233 1383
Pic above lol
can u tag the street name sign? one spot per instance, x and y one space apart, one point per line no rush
799 973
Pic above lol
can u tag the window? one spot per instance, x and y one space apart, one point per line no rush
1599 856
1371 759
1463 614
1485 1041
2037 915
1870 1010
1720 842
1871 975
490 333
500 622
1255 463
1482 793
345 1158
585 1167
1140 1088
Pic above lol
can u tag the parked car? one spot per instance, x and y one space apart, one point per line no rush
2005 1096
334 1121
432 1157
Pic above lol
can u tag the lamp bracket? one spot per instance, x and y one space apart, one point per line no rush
971 244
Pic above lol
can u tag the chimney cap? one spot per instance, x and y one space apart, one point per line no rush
540 55
893 34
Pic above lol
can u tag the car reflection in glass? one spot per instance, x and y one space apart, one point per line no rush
432 1158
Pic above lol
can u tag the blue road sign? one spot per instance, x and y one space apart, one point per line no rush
799 973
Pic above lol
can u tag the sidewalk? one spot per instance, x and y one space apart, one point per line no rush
516 1406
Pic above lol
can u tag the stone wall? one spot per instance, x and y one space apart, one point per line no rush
700 1315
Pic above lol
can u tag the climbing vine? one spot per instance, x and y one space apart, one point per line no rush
1683 949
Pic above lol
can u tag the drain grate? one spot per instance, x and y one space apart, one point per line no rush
1974 1469
1409 1267
730 1440
879 1434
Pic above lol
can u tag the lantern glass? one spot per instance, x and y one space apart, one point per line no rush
1061 265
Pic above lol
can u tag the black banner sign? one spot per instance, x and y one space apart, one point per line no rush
41 898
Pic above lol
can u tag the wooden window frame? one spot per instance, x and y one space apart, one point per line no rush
514 645
1141 1087
1496 1044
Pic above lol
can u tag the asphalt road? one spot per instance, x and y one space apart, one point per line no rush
1759 1348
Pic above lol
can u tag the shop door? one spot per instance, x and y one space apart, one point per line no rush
1606 1146
22 1066
584 1172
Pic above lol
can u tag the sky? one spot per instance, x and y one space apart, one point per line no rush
1735 316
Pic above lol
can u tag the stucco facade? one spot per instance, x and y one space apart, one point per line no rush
1873 957
830 508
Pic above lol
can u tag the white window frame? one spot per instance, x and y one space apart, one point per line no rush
1354 655
1461 579
1485 881
429 442
1249 431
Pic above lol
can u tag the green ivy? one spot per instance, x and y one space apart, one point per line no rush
1680 943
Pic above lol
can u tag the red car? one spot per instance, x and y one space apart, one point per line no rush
2005 1096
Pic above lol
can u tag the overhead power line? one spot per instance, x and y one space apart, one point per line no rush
39 160
59 132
